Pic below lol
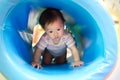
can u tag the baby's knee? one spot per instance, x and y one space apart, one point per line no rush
46 62
61 62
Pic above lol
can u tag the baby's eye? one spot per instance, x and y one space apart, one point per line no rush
50 31
58 29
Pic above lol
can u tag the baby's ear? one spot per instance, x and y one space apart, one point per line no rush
37 33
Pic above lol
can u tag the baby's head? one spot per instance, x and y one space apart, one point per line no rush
52 21
49 16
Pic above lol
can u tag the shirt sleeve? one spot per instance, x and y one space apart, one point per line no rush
70 41
42 44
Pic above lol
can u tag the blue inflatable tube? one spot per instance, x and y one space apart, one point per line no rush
96 25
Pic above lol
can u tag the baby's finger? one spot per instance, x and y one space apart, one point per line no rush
33 65
82 63
39 66
75 65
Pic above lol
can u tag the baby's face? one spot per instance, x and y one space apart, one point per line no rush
55 30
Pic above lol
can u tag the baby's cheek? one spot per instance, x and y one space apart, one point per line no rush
51 36
61 34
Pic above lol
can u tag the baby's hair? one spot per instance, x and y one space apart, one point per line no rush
50 15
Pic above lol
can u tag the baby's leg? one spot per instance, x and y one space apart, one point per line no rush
47 58
61 59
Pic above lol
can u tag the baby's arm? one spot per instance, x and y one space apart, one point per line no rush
76 57
36 58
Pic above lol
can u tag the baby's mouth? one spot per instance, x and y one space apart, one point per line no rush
56 40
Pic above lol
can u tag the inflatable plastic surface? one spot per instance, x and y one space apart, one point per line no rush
93 23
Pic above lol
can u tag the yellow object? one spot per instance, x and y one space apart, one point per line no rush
2 77
37 33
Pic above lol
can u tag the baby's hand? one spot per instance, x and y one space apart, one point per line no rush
77 63
36 64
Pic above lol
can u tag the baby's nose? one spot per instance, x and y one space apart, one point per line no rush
55 34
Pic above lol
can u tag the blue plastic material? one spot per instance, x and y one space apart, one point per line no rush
95 25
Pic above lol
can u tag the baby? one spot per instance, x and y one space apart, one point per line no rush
55 41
